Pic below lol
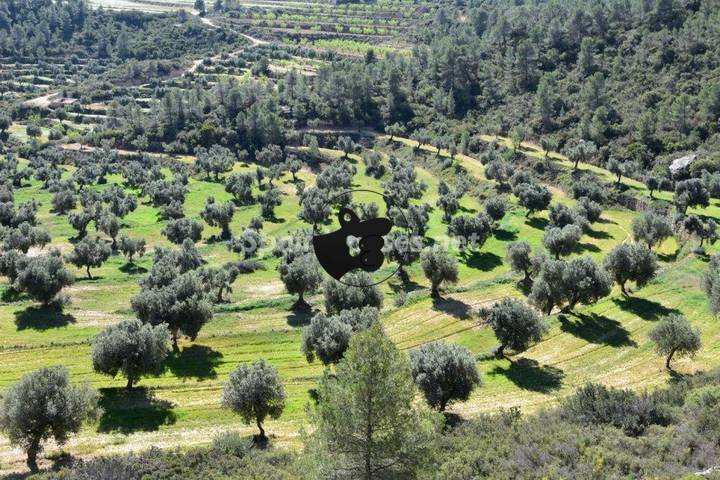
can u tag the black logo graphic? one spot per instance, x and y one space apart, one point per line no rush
333 252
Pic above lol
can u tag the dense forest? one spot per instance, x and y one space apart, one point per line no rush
637 79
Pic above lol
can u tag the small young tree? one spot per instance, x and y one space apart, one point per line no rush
674 334
651 229
300 275
219 215
131 348
177 231
255 392
652 183
131 247
516 325
357 290
444 372
89 253
450 204
366 424
220 279
328 337
562 241
43 277
44 404
439 267
631 262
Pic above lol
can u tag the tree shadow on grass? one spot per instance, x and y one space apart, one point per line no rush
586 247
644 308
598 234
537 222
42 318
132 269
196 361
484 261
597 329
451 306
300 317
505 235
135 411
669 258
528 374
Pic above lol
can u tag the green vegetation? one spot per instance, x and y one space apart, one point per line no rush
157 200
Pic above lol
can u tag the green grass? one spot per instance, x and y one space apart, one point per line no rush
606 342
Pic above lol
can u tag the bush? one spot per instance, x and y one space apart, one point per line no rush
598 404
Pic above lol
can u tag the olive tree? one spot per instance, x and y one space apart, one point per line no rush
355 291
674 335
328 336
219 215
183 228
691 193
439 267
522 260
131 348
240 186
533 196
562 241
444 372
300 275
711 283
631 262
44 404
495 207
516 325
89 253
132 247
471 231
651 229
43 277
214 161
180 301
255 392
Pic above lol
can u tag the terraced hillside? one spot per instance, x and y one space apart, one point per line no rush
605 343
